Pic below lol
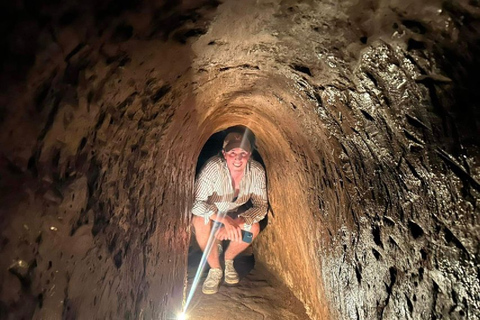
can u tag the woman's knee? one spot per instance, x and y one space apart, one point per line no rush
199 224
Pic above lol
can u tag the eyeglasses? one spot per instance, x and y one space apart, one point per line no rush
233 154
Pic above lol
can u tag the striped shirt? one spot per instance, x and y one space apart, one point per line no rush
214 192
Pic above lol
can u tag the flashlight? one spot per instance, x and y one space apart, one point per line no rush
181 316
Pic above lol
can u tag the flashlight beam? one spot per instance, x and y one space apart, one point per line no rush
181 316
201 265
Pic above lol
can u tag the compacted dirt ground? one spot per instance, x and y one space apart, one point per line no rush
258 296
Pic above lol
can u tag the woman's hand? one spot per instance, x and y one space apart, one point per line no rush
230 230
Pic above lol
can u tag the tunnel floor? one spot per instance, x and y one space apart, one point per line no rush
258 296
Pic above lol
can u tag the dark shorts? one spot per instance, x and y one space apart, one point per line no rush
238 211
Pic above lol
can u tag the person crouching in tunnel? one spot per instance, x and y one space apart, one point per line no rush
224 185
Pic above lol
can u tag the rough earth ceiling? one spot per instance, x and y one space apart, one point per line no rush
366 116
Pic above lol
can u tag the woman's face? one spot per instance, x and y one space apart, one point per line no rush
237 159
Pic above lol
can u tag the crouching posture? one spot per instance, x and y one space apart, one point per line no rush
224 184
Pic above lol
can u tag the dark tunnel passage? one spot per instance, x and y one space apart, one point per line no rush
366 119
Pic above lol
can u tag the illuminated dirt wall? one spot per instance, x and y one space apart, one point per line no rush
365 115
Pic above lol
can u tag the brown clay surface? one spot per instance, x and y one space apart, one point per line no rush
258 296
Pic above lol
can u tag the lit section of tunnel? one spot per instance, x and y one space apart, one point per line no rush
364 115
289 155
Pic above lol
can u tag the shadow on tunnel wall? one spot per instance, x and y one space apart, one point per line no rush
93 201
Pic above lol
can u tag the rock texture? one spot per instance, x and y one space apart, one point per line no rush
366 117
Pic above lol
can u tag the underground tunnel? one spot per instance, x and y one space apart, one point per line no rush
366 119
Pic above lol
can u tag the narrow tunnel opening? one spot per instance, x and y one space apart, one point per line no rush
245 261
289 155
285 151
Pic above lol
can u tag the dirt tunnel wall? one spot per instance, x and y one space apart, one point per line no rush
364 115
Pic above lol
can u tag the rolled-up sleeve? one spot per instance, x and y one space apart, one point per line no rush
203 190
258 197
